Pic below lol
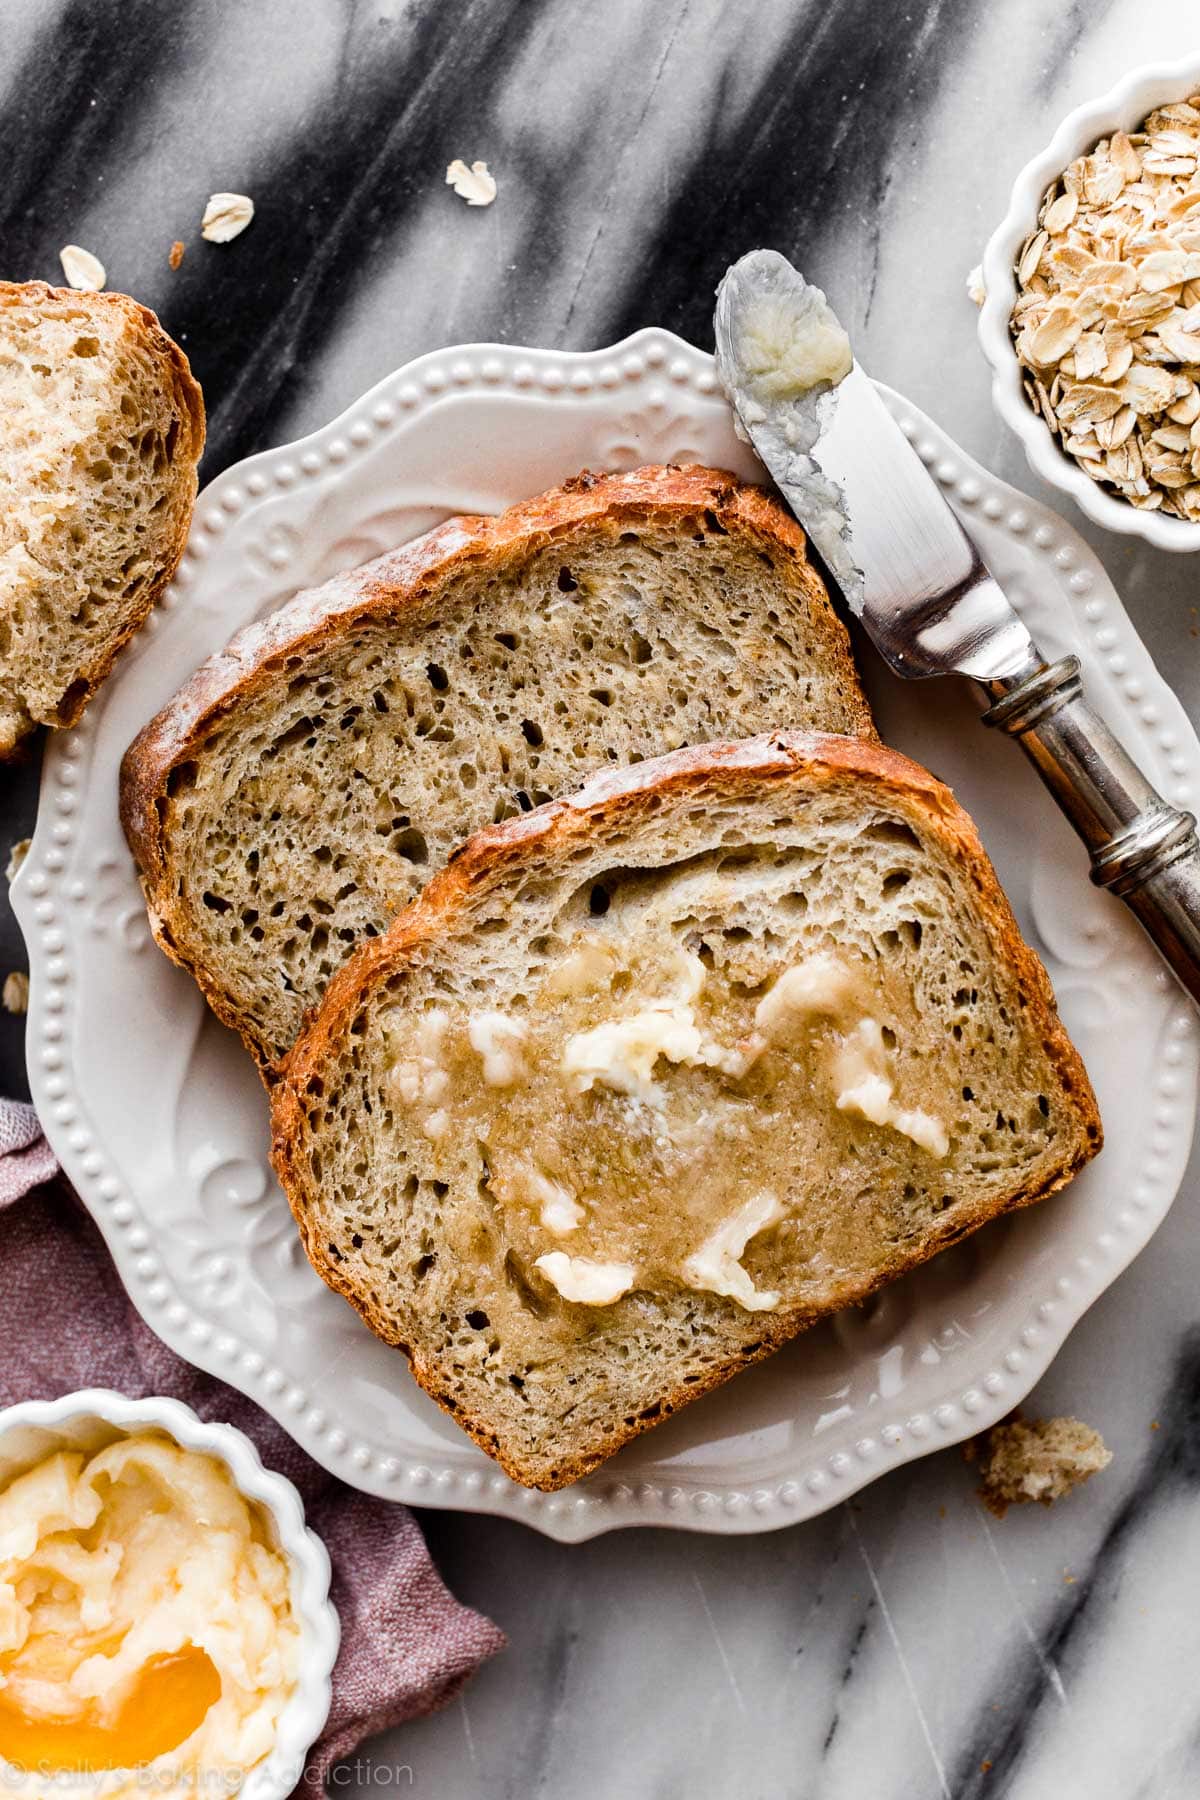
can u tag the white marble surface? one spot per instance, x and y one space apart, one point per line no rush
895 1648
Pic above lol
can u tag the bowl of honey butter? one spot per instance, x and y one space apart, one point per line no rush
165 1620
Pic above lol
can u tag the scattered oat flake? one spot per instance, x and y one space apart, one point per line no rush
225 217
16 857
15 994
83 271
176 253
476 185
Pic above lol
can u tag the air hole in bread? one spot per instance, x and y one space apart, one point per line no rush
891 831
183 776
72 700
517 1277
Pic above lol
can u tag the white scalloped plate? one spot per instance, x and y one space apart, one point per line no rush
160 1122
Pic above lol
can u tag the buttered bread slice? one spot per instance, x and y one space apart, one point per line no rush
307 781
653 1079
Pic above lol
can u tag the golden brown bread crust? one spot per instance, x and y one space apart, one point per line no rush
657 494
190 403
725 770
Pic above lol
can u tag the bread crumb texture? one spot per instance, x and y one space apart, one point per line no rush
1039 1459
310 779
649 1178
103 427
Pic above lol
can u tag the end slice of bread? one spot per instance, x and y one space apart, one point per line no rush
103 429
655 1078
306 782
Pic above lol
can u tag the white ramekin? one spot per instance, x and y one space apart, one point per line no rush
94 1417
1122 109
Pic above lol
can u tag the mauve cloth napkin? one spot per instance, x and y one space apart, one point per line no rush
65 1323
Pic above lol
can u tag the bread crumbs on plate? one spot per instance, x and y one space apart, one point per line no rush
1041 1459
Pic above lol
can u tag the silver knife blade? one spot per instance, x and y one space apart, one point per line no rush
888 536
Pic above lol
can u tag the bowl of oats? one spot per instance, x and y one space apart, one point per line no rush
1091 311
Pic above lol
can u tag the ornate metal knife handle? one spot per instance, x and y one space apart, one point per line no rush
1141 848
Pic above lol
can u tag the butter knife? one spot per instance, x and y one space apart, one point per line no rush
917 582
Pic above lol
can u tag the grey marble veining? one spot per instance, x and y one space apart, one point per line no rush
906 1646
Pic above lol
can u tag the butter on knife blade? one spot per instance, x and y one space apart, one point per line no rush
888 537
780 350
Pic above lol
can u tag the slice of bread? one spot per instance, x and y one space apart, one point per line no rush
651 1080
103 428
307 781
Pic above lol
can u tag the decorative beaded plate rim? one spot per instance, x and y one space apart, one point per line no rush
658 400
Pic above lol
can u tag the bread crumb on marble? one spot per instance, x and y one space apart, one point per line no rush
15 993
175 255
1041 1459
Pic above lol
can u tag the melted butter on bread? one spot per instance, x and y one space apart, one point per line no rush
604 1048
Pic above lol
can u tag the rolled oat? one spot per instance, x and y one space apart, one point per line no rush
1107 319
